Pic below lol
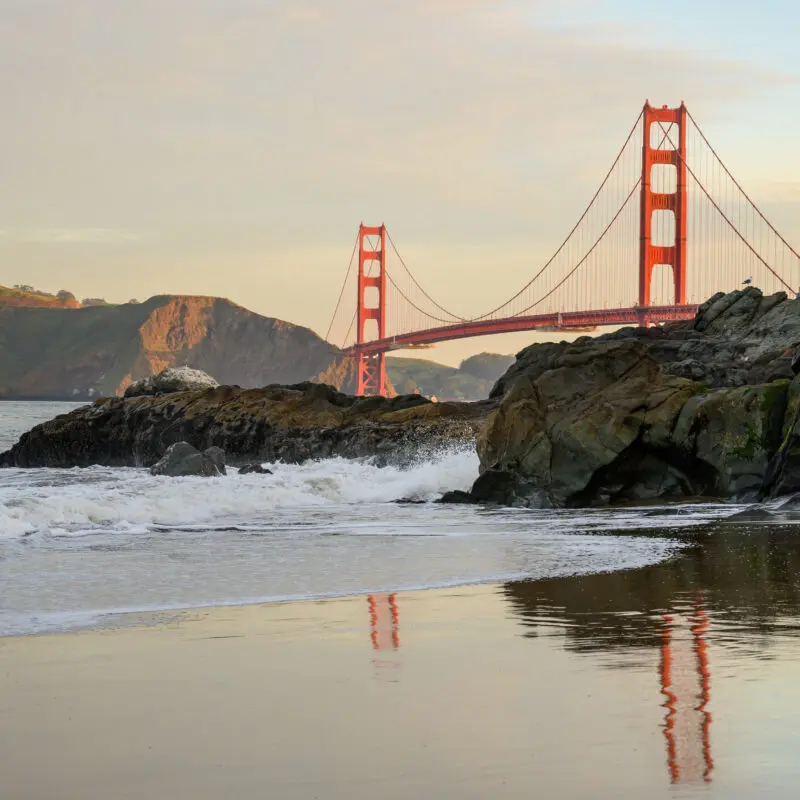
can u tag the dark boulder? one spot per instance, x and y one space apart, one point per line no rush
182 460
456 497
254 469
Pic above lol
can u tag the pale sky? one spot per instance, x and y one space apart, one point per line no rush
231 147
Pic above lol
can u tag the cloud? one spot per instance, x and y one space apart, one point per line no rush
234 131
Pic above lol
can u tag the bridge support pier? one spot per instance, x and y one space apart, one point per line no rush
371 374
674 154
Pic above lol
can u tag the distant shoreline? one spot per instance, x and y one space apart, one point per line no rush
48 399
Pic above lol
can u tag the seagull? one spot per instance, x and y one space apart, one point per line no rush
747 281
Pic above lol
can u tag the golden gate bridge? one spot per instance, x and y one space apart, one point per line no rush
668 227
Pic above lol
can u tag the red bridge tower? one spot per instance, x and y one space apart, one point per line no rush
659 121
371 368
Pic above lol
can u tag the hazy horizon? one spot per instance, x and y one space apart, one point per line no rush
232 148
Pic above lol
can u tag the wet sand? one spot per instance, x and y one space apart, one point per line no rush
672 681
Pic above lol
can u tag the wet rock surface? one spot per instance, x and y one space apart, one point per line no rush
276 423
183 460
708 407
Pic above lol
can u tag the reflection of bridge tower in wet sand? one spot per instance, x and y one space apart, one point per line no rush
384 621
686 685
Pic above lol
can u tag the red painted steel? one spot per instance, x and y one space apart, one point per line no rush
673 255
370 352
565 321
371 364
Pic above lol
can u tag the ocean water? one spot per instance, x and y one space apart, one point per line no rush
79 547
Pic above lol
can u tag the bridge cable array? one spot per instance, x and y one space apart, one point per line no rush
728 220
596 266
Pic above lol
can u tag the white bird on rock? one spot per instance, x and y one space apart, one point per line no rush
747 281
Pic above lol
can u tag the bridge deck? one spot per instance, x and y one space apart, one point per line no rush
561 321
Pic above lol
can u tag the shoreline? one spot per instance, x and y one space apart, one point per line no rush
471 691
124 618
103 620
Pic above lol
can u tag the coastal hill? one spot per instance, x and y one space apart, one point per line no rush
702 408
472 380
100 349
52 347
28 297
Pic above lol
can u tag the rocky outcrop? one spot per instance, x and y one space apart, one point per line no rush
172 379
708 408
276 423
182 460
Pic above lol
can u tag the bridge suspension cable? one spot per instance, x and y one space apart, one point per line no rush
575 227
727 219
596 271
739 187
449 314
587 254
341 293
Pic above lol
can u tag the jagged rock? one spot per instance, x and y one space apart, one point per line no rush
689 368
275 423
181 459
171 379
735 433
589 428
684 410
254 469
736 339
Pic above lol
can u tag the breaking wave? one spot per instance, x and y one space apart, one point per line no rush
79 501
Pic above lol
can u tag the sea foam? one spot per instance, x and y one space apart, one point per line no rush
75 502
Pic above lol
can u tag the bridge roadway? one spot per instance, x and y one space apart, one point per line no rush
635 315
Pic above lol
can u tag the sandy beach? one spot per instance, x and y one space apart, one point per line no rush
548 689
